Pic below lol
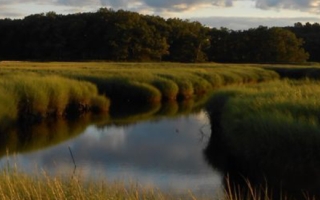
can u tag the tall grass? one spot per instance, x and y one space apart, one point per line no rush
35 96
18 185
271 131
149 82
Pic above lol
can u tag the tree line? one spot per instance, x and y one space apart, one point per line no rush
129 36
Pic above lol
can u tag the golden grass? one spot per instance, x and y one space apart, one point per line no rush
158 80
15 185
48 95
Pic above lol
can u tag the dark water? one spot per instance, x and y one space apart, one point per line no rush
163 152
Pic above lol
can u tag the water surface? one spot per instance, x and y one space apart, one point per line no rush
163 152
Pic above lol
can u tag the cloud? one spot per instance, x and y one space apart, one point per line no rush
117 3
175 5
242 23
76 2
312 6
164 8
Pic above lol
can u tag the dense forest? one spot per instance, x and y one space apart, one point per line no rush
111 35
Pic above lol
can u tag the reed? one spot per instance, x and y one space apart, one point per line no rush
18 185
270 130
32 95
157 81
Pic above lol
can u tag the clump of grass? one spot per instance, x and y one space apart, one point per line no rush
185 86
168 88
125 90
43 96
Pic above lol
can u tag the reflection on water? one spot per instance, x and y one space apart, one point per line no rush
140 146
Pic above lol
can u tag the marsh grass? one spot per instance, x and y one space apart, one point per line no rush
272 130
148 82
277 113
168 88
18 185
248 190
38 96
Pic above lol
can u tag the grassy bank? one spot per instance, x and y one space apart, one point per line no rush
32 97
270 132
283 108
148 82
33 91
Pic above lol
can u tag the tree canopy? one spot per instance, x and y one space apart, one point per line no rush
311 36
129 36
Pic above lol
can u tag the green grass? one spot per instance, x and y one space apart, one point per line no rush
32 91
280 114
271 129
35 96
156 81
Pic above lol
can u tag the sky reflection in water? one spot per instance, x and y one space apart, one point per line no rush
164 153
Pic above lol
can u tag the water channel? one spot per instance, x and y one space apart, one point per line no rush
161 151
171 147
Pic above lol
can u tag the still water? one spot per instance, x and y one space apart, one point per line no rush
162 152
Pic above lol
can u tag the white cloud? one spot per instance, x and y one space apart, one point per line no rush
242 17
174 5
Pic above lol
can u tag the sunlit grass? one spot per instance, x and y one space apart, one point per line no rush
148 82
269 133
284 108
42 96
271 128
17 185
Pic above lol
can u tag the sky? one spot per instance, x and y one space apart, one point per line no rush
232 14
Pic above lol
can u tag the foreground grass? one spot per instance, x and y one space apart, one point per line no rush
17 185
